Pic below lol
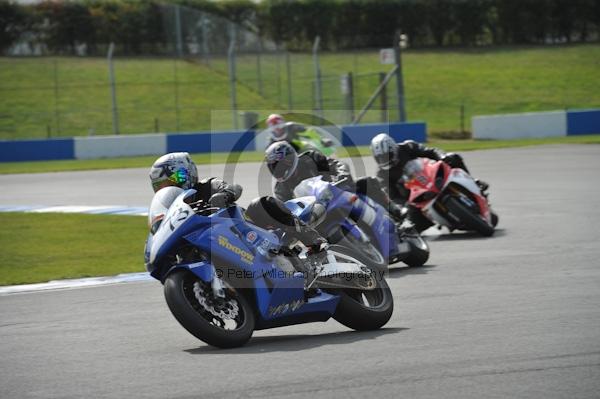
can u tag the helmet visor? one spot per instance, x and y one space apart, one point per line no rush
283 169
180 176
384 160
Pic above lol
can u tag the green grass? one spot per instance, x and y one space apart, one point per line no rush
118 163
146 161
438 82
44 247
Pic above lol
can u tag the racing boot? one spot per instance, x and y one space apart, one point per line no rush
483 186
398 213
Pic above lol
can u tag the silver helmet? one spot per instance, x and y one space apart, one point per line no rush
384 150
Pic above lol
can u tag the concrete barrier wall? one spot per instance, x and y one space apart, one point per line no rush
211 142
156 144
36 150
536 125
514 126
119 146
358 135
583 122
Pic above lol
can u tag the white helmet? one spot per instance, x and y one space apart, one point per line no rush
276 125
384 150
174 169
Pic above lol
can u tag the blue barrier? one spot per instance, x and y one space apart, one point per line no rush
583 122
37 150
355 135
211 142
99 146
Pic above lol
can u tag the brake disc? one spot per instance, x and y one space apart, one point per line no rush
223 312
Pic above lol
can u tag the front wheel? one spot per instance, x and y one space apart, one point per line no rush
366 252
469 219
222 322
364 309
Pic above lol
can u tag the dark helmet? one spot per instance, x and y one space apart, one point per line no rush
282 160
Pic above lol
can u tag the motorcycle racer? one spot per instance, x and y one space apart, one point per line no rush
391 157
280 130
290 168
297 135
175 172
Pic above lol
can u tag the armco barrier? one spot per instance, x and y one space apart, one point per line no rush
119 146
157 144
537 124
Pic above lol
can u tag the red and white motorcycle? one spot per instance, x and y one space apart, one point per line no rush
448 196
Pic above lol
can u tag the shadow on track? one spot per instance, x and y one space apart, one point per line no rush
464 235
297 342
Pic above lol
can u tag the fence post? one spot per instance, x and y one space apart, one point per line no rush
205 51
258 68
347 86
178 31
384 99
318 89
278 66
56 113
288 68
232 77
176 93
462 120
399 78
113 90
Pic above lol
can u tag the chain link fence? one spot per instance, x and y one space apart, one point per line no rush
206 63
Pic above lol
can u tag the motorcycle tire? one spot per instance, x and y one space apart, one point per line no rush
364 310
470 220
366 252
189 312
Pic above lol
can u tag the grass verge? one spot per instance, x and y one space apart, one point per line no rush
43 247
146 161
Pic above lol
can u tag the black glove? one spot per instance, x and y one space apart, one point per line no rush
398 212
220 200
237 191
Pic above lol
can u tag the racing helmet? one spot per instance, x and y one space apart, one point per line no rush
384 150
282 160
276 125
173 169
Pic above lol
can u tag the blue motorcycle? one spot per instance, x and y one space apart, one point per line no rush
224 277
359 222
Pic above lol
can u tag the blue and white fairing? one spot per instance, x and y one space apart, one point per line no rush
381 229
226 238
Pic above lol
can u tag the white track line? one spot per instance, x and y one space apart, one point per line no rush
74 283
94 210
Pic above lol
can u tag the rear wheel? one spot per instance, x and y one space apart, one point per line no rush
469 219
222 322
364 309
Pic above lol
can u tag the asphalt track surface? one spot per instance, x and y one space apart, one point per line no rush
515 315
